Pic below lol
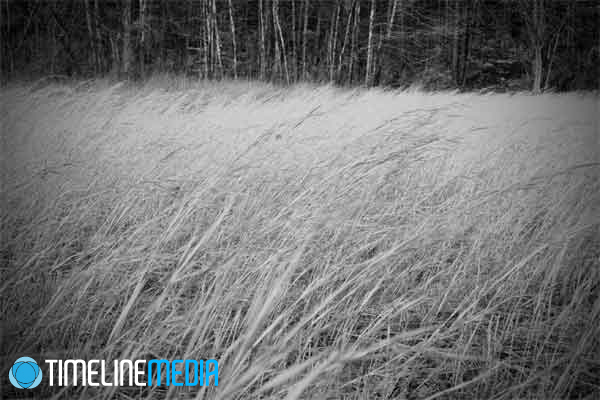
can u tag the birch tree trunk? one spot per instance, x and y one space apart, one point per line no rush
232 24
276 57
316 59
466 45
333 41
537 69
279 32
126 52
188 60
142 19
262 58
456 43
100 60
304 39
294 48
217 38
205 41
345 42
535 20
370 45
353 54
3 49
538 44
92 38
391 20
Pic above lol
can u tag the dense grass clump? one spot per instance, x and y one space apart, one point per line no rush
318 242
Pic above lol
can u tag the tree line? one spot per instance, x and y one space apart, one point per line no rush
502 44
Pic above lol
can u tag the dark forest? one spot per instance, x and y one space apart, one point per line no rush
501 45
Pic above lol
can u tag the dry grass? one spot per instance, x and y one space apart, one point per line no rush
320 243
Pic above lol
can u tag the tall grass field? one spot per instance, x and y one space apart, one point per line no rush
320 243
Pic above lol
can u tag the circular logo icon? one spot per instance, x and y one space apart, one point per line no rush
25 373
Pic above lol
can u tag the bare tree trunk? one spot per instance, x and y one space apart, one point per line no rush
142 19
11 52
53 48
217 38
353 51
552 55
538 28
456 43
269 43
294 48
304 39
537 69
206 42
368 77
466 45
278 32
317 45
345 43
262 40
536 24
446 25
115 52
99 55
402 28
231 22
276 60
92 38
38 38
6 63
209 38
126 52
187 56
333 40
378 57
3 49
390 25
162 49
276 55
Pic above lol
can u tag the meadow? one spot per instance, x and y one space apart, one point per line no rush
318 242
